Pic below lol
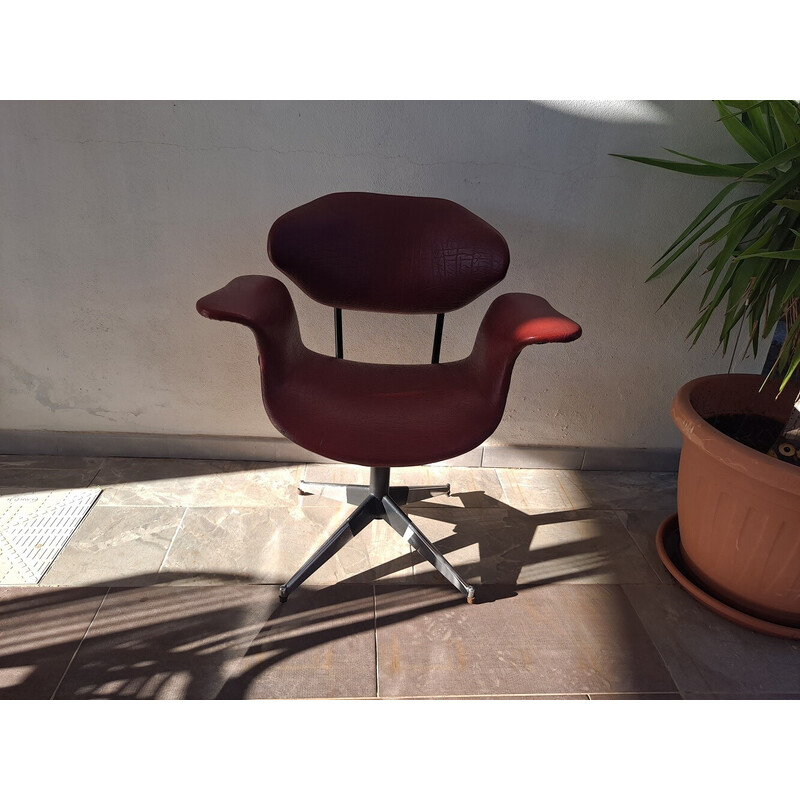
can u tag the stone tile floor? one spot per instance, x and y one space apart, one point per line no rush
168 589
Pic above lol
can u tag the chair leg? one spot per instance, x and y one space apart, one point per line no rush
343 492
355 523
414 536
402 495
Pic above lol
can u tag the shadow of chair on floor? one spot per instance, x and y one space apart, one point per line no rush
169 635
503 556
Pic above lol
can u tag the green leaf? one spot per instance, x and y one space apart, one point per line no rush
680 281
743 212
761 241
739 289
742 105
787 181
758 124
792 367
789 292
693 225
736 169
786 116
789 154
789 351
777 142
688 243
709 170
743 136
793 204
789 255
737 233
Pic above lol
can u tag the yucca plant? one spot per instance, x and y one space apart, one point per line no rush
748 247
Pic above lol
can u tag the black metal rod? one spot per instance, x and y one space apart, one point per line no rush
437 339
379 481
337 318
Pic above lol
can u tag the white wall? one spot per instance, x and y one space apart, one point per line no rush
117 216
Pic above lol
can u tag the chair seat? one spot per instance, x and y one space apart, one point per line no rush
381 415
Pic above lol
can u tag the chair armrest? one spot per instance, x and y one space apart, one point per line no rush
256 301
512 322
516 320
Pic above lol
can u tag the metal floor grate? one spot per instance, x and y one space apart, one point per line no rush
34 527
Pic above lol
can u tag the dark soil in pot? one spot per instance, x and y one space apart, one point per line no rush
751 430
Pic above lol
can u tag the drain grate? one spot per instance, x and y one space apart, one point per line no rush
34 527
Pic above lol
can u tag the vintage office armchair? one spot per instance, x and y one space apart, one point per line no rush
377 252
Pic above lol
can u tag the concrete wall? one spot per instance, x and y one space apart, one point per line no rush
117 216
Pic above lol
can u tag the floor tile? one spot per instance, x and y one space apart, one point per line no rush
637 696
187 482
40 631
498 697
121 545
539 490
548 640
707 654
167 642
640 491
320 643
752 696
642 526
508 546
270 544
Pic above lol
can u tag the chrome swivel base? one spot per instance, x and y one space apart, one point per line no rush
379 500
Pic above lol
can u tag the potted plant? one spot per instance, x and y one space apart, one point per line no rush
735 544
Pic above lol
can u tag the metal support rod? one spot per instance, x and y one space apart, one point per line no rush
379 481
355 523
437 338
400 521
378 501
337 320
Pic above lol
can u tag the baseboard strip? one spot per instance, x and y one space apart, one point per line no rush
245 448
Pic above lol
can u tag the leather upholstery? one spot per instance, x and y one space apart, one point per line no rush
381 252
381 415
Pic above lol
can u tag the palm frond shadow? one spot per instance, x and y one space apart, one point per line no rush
503 541
164 636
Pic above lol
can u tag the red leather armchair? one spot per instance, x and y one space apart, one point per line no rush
397 254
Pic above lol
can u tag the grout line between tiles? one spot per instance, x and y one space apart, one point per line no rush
172 541
94 477
80 644
480 696
633 694
620 514
654 643
565 493
375 631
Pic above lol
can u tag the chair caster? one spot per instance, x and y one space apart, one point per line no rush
471 597
281 596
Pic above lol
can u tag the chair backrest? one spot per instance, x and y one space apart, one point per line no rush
393 253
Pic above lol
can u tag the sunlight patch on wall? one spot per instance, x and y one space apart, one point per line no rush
618 111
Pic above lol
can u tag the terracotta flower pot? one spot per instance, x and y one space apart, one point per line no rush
738 509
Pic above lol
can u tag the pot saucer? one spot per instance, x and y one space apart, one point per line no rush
668 540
